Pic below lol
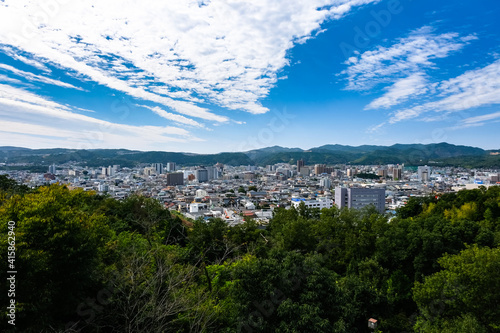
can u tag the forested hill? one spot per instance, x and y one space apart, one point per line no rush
90 263
440 154
122 157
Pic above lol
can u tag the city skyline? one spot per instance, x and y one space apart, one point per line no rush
208 77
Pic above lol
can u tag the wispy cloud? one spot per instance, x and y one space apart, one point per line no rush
475 88
410 55
405 70
6 79
481 119
174 53
171 116
28 61
29 116
477 121
37 78
414 85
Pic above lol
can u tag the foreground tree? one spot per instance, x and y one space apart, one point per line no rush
465 292
59 250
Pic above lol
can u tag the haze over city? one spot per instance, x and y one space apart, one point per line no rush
205 77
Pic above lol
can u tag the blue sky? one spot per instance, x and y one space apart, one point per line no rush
210 76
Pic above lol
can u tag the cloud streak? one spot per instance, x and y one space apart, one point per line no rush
177 54
28 115
473 89
170 116
409 56
414 85
37 78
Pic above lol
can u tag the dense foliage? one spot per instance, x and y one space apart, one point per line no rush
91 263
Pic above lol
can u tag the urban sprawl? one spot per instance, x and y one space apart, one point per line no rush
234 193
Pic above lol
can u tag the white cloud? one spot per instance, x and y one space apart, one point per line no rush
224 52
37 78
174 117
475 88
409 56
414 85
26 115
403 68
477 121
481 119
31 62
6 79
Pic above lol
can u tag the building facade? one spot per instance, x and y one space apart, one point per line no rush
170 167
300 164
176 178
158 168
201 175
319 203
360 197
424 173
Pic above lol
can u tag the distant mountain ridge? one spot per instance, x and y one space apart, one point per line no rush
413 154
409 154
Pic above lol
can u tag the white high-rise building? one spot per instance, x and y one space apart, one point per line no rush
103 187
360 197
213 173
325 183
158 168
201 175
170 167
52 169
424 173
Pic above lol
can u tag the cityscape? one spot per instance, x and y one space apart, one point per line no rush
234 193
248 166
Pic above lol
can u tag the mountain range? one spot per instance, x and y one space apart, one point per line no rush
443 154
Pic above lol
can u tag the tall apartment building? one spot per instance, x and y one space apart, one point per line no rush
52 169
397 172
357 198
175 178
382 172
319 169
300 163
325 183
158 167
170 167
213 172
351 172
304 171
201 175
149 171
424 173
109 171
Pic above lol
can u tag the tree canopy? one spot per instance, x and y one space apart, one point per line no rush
92 263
